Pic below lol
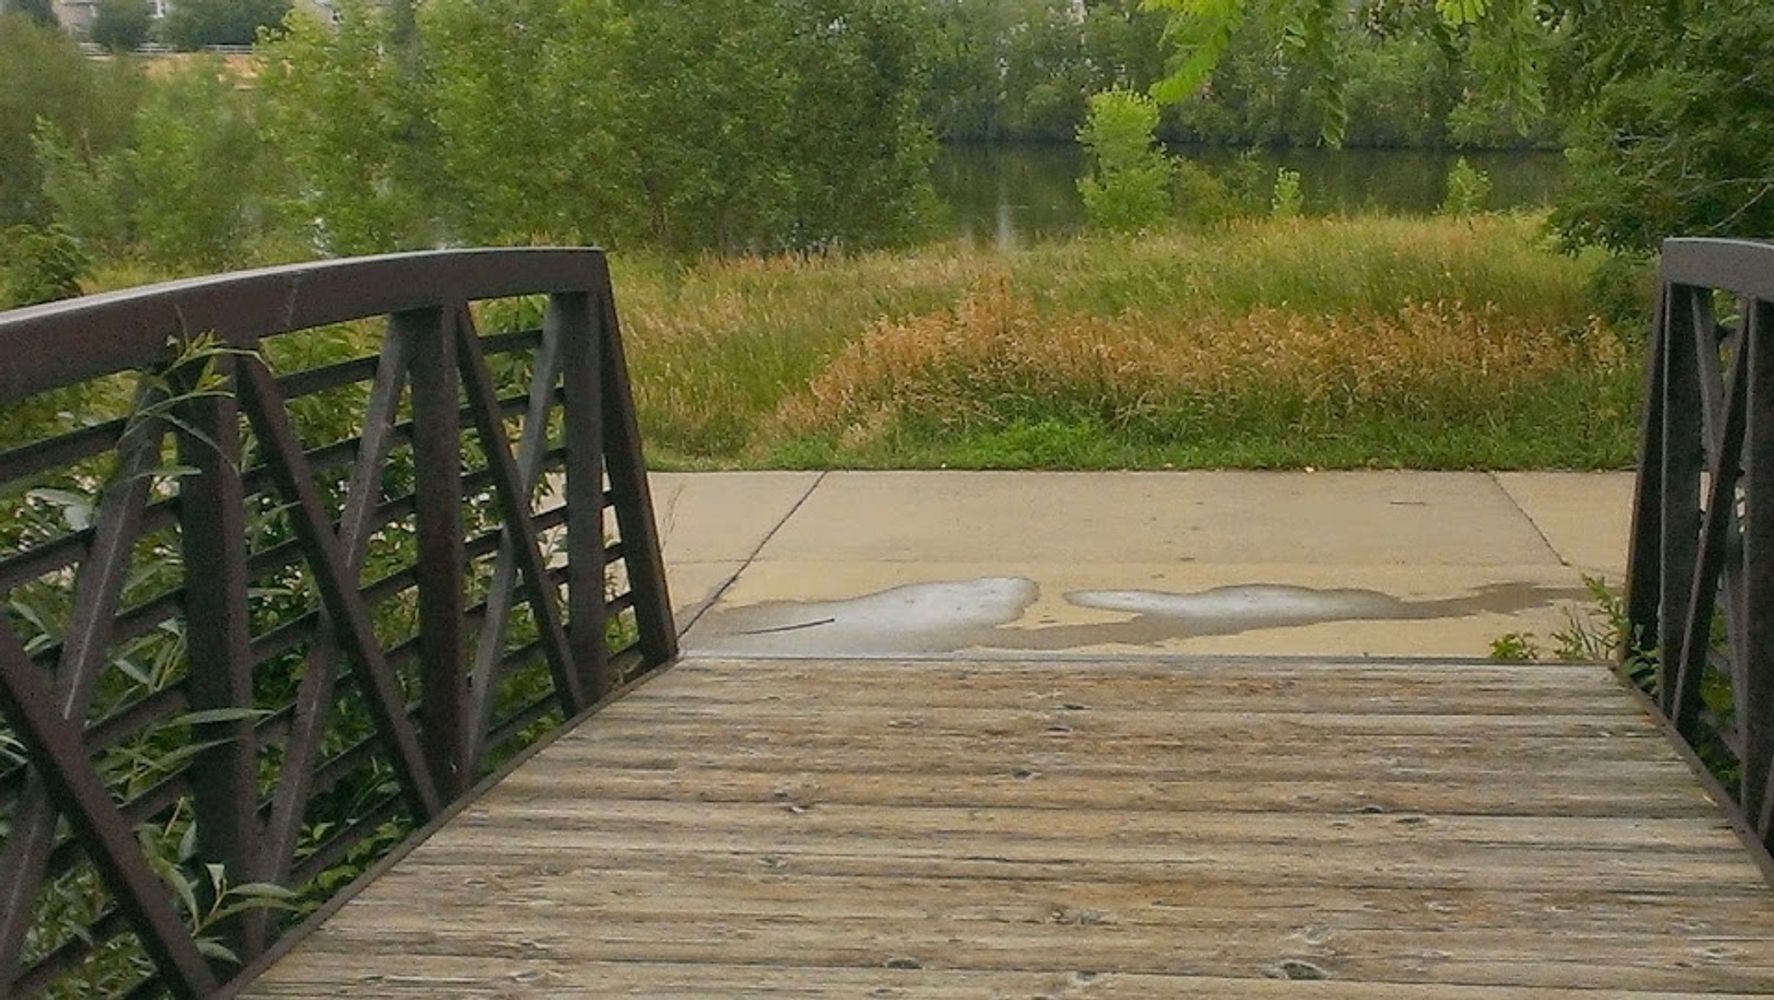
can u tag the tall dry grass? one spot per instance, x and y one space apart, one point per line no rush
1327 341
1429 342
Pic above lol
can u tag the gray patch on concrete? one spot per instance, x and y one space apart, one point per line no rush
1161 615
939 617
949 616
1258 604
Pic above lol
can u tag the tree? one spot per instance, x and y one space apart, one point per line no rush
44 78
770 124
195 168
122 25
556 171
192 24
860 146
1504 45
1128 188
1673 136
39 12
348 118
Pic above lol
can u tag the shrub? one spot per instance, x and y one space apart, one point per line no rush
40 264
1288 199
1468 187
1201 196
1128 186
1623 290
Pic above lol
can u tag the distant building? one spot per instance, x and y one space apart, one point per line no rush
77 16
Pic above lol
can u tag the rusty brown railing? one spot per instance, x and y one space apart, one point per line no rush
270 607
1700 590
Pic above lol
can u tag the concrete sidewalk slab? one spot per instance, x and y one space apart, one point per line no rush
1208 517
722 517
1585 516
1345 563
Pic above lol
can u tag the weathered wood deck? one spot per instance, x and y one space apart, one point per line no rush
951 828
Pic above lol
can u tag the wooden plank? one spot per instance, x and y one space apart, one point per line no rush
784 824
1489 958
357 974
1182 789
672 896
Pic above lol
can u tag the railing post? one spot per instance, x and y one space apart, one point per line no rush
628 484
1679 489
437 458
578 339
1755 702
1644 555
212 530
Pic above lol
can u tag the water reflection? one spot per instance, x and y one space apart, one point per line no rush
1008 196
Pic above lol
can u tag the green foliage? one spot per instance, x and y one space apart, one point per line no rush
1623 290
1673 135
347 118
195 167
1467 189
122 25
39 12
184 196
1128 188
1501 45
552 171
44 78
1022 69
192 24
1515 647
1288 199
40 264
1200 195
1202 33
749 126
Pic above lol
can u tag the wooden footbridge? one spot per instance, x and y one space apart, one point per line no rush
337 676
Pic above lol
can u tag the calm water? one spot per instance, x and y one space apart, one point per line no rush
1008 195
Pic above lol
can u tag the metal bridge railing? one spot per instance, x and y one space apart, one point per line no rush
284 604
1700 590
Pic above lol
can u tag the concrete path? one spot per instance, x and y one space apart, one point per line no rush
1333 563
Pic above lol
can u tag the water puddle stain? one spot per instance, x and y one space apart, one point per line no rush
982 614
938 617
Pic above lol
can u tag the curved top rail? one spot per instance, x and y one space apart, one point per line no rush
61 343
1742 266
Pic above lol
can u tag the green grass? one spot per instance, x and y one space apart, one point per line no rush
1239 346
1363 342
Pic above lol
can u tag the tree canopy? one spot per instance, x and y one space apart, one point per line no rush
122 25
192 24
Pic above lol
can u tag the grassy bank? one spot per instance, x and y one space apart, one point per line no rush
1387 342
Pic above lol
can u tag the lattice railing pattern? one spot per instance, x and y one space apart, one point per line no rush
272 605
1701 578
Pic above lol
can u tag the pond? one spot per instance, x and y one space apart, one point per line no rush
1009 195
